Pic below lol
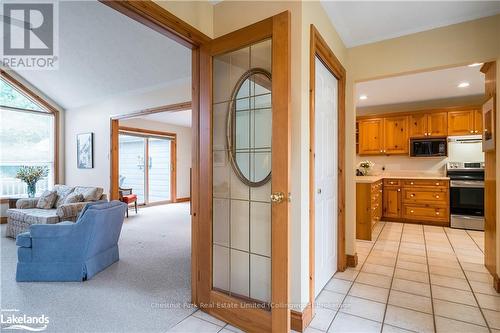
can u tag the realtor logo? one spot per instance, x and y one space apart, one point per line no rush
29 35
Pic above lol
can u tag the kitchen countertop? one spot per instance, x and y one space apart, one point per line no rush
372 179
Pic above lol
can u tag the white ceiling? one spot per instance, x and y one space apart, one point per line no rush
104 53
363 22
179 118
424 86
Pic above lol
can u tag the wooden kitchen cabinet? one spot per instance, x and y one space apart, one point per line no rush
461 122
391 202
396 135
437 124
368 208
429 124
418 125
478 122
371 136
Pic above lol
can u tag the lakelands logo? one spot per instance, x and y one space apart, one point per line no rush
29 32
14 320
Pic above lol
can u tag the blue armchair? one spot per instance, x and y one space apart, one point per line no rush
69 251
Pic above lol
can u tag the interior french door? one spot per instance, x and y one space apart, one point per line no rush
243 247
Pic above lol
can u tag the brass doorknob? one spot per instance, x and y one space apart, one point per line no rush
277 197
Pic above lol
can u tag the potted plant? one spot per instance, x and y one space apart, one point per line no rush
365 167
31 175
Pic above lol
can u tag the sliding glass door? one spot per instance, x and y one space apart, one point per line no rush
159 169
146 167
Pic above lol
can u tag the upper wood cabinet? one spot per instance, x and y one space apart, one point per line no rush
437 124
371 136
461 122
478 122
428 124
396 135
418 125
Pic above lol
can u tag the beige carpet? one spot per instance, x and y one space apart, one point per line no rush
146 291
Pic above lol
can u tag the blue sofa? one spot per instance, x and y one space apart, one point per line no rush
69 251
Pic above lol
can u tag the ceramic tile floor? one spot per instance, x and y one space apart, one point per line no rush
411 278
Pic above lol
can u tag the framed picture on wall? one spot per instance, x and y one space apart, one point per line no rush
489 125
85 150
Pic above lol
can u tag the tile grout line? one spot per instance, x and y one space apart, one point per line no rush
353 281
473 240
430 282
468 282
392 278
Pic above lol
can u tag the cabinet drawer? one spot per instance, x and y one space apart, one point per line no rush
425 182
392 182
416 195
422 212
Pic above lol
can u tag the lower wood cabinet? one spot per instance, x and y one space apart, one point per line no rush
392 201
368 208
417 200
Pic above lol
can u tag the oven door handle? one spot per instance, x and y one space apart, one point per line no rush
467 183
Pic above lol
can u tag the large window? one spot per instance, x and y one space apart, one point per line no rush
27 137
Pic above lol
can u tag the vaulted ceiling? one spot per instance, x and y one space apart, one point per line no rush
104 53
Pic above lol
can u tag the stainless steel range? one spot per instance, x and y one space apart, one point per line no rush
466 194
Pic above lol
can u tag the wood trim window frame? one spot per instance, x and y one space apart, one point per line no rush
319 48
173 158
36 98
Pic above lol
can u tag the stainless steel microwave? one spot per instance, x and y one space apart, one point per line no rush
428 147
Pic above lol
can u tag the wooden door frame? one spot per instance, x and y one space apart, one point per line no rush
319 48
173 158
250 318
159 19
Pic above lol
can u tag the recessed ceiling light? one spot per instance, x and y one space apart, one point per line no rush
363 97
475 64
463 84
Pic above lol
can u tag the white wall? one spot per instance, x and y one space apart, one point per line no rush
96 118
183 148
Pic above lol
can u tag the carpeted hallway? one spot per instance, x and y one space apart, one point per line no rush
148 290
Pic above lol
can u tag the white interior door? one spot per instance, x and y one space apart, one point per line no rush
325 171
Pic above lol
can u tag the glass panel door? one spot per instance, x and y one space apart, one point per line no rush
132 165
159 169
242 128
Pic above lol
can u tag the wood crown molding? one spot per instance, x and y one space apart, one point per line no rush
300 320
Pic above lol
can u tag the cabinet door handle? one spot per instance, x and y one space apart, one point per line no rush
437 213
411 211
411 183
399 190
437 184
412 195
472 131
437 196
